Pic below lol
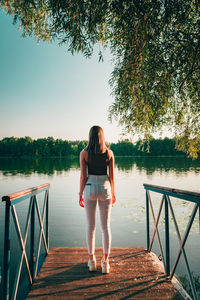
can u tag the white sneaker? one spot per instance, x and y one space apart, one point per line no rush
105 267
92 265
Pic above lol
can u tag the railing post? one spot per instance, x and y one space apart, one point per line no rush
7 239
167 248
147 221
199 217
32 239
47 219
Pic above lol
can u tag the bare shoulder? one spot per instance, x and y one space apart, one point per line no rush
110 154
84 155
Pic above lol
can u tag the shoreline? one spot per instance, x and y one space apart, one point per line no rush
77 156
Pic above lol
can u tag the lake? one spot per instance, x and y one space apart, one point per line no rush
67 223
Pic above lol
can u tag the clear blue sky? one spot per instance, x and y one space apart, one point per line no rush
45 91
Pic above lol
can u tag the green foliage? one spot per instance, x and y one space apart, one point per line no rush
156 77
48 147
157 147
155 46
40 147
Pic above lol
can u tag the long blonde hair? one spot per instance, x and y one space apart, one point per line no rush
96 143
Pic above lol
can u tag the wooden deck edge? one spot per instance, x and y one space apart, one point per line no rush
176 283
100 247
60 249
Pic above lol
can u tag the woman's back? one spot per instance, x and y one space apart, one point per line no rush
97 163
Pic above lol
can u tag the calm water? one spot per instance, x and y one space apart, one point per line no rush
67 219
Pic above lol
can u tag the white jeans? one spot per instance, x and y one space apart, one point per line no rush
98 189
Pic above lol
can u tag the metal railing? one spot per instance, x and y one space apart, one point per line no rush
32 265
166 194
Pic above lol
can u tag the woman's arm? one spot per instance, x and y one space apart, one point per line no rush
111 175
83 176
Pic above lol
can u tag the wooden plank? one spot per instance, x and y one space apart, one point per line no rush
135 274
26 192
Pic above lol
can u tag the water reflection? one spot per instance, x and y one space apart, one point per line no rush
14 166
152 164
128 215
10 166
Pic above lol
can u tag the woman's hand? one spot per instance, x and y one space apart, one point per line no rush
113 199
81 201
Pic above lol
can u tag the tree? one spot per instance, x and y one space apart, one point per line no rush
155 46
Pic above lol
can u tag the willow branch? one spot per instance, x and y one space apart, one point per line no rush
192 68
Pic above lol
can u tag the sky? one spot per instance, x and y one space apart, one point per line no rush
46 91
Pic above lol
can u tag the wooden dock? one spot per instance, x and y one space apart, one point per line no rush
135 274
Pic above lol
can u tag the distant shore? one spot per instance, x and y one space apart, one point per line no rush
49 147
77 156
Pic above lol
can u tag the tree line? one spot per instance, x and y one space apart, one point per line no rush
45 147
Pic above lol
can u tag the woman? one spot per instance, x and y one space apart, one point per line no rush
96 185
